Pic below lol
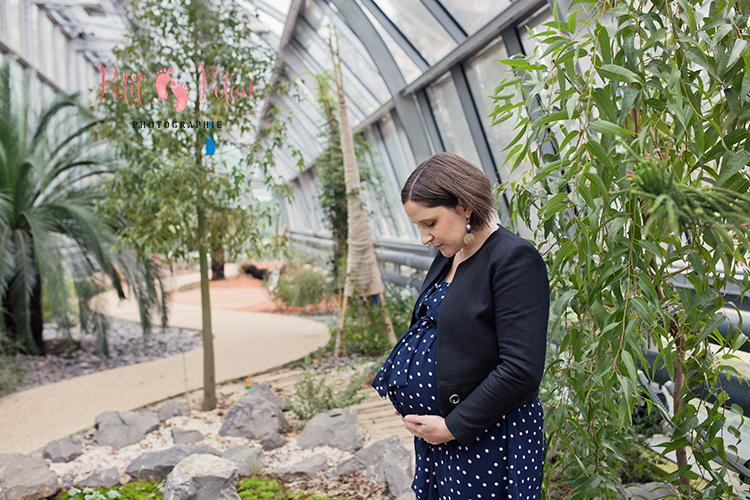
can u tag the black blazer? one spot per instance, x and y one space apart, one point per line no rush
491 333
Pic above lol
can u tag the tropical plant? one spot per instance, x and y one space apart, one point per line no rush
176 198
47 198
634 117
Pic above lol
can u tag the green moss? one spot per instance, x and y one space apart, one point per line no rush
250 488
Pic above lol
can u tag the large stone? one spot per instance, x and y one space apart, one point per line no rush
63 450
334 428
25 478
202 477
102 479
181 436
256 415
301 471
174 409
158 464
248 459
386 461
123 429
650 491
273 441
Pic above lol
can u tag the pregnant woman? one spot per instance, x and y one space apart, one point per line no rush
465 377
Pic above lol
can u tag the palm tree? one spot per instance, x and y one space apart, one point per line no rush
48 196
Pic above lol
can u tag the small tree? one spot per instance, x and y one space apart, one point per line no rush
329 173
634 119
201 57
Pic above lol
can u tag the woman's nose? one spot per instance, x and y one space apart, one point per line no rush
425 236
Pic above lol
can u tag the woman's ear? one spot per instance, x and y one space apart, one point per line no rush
463 209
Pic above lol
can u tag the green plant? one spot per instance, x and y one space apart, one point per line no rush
634 118
313 395
400 303
167 196
92 494
8 375
47 199
301 287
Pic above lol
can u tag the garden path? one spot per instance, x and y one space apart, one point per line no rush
244 343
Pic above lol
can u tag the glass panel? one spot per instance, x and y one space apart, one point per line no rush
408 68
309 191
275 26
392 188
15 24
402 161
451 120
61 53
300 212
32 51
48 47
535 23
473 14
484 72
353 54
361 102
420 27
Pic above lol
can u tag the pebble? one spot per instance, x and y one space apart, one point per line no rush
127 346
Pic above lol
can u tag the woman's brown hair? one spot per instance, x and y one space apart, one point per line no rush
444 179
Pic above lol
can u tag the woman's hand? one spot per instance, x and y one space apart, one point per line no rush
431 428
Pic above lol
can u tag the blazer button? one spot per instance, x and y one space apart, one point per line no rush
454 399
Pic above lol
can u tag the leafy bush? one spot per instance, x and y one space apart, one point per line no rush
301 287
313 395
364 329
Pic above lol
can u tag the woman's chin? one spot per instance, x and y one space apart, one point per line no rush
447 253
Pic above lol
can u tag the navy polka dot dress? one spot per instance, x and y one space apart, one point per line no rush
505 462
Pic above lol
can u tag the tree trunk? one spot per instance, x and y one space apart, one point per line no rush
36 320
209 372
217 263
209 369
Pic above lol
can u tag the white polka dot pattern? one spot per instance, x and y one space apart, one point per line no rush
506 461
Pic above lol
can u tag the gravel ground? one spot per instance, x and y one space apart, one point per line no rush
127 346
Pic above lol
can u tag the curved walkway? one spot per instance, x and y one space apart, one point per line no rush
244 343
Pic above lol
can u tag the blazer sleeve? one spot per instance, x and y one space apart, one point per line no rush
520 294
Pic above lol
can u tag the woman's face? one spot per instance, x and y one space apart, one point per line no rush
442 227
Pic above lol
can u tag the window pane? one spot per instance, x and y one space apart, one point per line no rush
15 24
401 158
408 68
473 14
535 23
353 53
420 27
451 121
390 219
484 72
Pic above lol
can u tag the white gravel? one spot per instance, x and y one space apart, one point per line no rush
98 458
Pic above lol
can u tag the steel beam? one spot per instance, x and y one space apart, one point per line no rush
405 107
446 20
396 34
291 22
476 42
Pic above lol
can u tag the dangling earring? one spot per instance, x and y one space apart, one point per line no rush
468 237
